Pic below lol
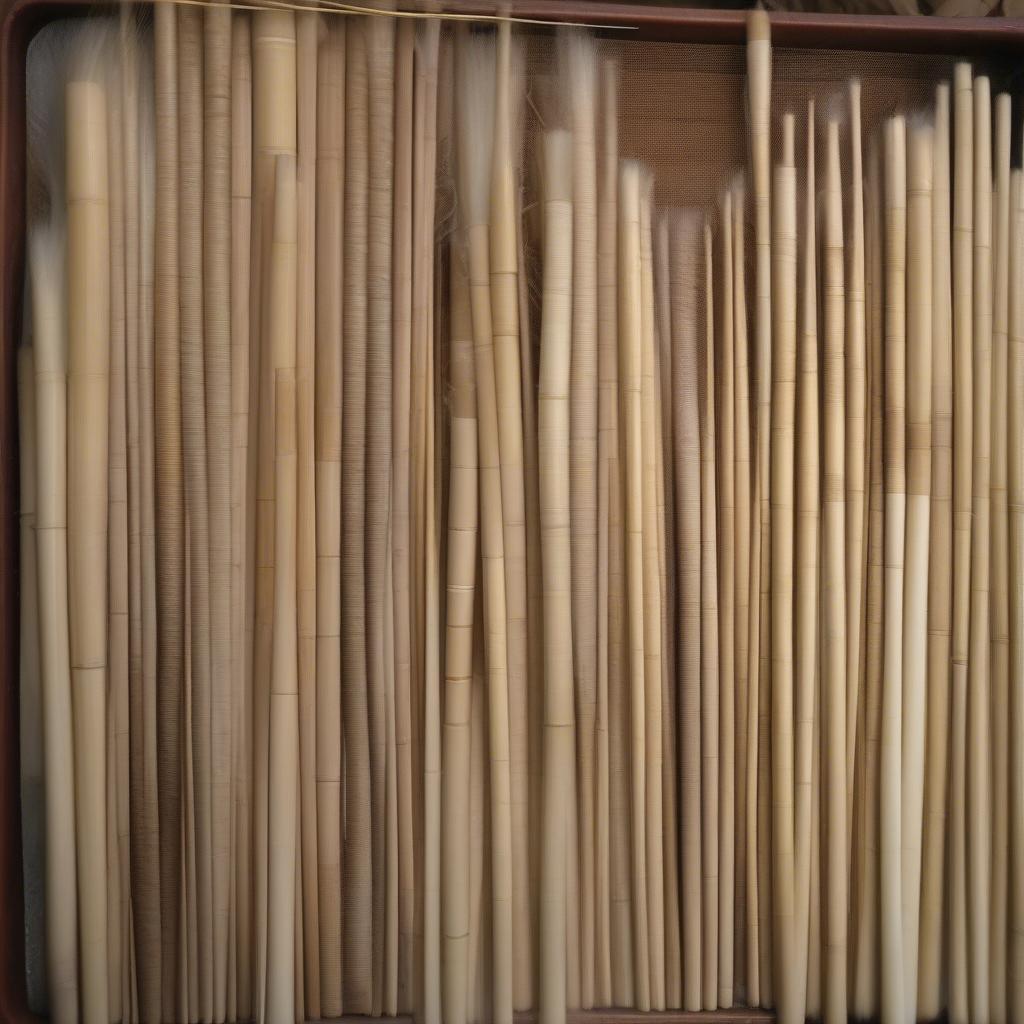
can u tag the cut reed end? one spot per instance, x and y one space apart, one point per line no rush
919 155
475 99
963 76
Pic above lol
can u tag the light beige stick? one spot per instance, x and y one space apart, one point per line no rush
915 591
709 668
580 61
461 586
892 1002
476 100
169 500
979 795
307 30
281 331
932 922
401 396
808 501
1015 407
88 270
357 860
725 458
999 622
46 280
783 399
866 969
963 446
746 949
686 423
652 616
242 507
553 427
609 940
216 269
330 172
504 270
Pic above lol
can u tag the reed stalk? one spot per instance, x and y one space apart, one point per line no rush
915 599
553 431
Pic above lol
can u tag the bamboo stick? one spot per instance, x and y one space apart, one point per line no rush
88 271
979 795
504 274
357 858
686 422
401 396
930 953
963 372
806 664
243 509
783 400
1015 373
581 89
461 583
169 505
892 1002
475 141
281 330
553 429
999 624
747 946
709 696
915 621
330 171
307 31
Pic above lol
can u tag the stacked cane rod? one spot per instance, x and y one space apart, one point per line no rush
458 582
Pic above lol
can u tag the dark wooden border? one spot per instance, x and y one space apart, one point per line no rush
20 19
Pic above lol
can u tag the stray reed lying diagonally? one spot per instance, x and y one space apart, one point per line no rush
457 582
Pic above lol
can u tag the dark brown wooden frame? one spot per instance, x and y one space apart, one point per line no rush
20 19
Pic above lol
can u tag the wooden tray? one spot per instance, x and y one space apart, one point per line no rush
20 19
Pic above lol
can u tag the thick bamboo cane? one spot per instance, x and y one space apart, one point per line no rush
915 599
380 58
979 794
580 59
46 280
553 428
963 446
865 998
169 498
808 501
242 508
686 427
709 667
783 434
357 860
504 271
307 31
281 329
999 623
892 1001
856 416
932 921
401 396
618 990
1015 407
330 173
630 395
476 99
652 614
607 412
725 458
197 524
430 114
746 948
216 283
88 275
461 584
